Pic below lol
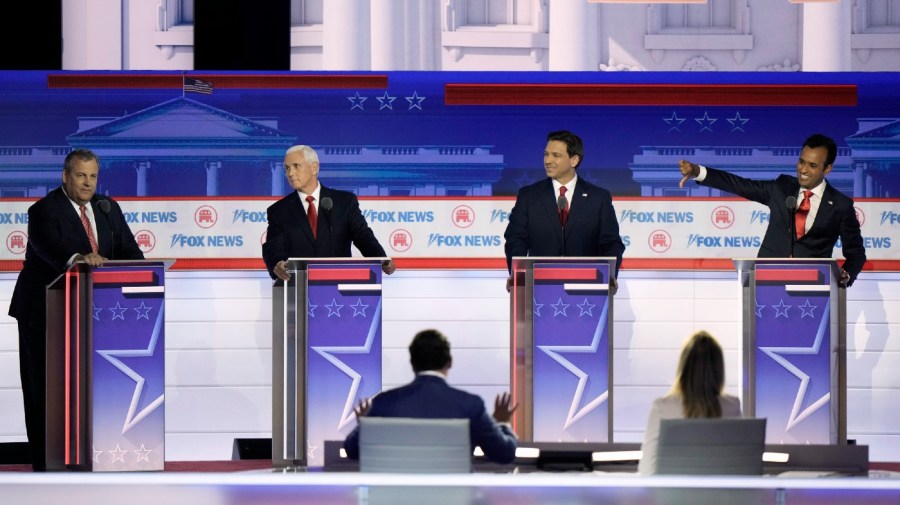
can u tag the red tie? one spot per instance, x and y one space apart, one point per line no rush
87 229
564 212
311 214
802 211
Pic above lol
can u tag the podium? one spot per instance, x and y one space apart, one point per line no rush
561 348
326 353
794 348
106 367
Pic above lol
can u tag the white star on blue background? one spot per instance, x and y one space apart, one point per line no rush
334 308
133 417
359 308
554 351
781 309
776 353
559 308
328 353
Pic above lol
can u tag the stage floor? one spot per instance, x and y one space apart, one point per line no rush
263 487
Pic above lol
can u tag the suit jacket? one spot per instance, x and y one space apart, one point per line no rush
290 236
836 218
431 397
591 229
669 407
55 233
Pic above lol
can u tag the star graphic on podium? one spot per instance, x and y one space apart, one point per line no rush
560 308
118 311
334 308
759 309
359 308
97 312
143 311
118 454
143 454
587 308
781 309
96 455
777 354
807 309
133 417
556 351
536 307
311 310
328 352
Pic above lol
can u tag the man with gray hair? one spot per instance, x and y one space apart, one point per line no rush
315 221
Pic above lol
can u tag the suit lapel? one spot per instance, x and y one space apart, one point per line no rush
69 213
826 207
550 209
297 212
578 203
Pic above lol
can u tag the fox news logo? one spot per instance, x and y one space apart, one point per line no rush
248 216
695 240
499 215
633 216
393 216
888 217
441 240
758 216
190 241
151 217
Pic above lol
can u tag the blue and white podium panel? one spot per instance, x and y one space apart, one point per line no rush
572 370
344 307
128 364
795 361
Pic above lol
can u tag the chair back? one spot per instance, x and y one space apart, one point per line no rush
408 445
720 446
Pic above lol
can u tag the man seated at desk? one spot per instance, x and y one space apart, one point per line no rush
429 396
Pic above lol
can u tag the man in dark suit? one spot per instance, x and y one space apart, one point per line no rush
563 215
429 396
829 214
70 224
339 222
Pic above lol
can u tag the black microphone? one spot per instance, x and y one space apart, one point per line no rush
325 204
791 203
105 207
561 204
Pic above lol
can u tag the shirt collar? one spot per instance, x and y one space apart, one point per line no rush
432 373
570 186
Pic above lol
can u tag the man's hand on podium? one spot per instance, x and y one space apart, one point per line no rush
93 259
845 279
281 272
388 266
509 283
613 286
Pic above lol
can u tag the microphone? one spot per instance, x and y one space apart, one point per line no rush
105 207
791 203
325 204
561 204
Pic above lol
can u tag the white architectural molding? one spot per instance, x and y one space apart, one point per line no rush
662 35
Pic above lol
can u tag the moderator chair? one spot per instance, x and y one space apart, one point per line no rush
407 445
721 446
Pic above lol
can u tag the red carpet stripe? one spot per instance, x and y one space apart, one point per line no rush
834 95
219 81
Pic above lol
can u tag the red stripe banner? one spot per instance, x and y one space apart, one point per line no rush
783 95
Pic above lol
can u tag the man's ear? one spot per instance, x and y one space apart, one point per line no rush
827 169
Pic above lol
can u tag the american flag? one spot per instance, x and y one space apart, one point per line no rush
197 86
